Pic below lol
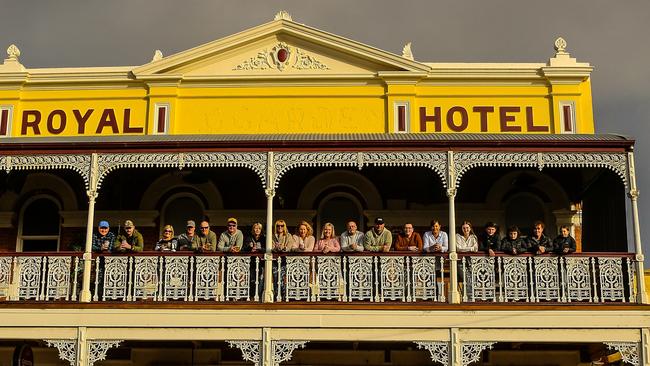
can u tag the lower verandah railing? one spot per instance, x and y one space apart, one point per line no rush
363 277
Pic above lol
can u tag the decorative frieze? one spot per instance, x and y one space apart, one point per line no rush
67 349
78 163
629 351
439 351
471 351
283 350
250 350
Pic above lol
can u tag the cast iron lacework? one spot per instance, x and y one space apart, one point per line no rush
629 351
471 351
464 161
5 275
110 162
283 162
439 351
97 350
67 349
283 350
250 350
78 163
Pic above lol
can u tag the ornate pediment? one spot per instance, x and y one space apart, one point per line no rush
280 47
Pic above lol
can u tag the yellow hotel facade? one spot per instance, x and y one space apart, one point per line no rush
286 122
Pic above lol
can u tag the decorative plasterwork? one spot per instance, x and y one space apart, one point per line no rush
439 351
284 162
78 163
629 351
250 350
471 351
67 349
282 15
281 57
110 162
407 52
97 350
283 350
464 161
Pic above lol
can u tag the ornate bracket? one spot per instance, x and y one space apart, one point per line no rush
250 350
471 351
283 350
97 350
439 351
67 349
629 351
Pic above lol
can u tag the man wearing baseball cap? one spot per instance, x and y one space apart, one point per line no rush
232 239
378 239
103 239
130 240
188 239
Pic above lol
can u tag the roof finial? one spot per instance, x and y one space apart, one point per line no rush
406 52
560 46
282 15
13 52
157 55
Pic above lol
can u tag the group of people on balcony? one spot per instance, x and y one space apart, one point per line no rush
377 239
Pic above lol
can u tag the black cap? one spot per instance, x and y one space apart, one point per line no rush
379 221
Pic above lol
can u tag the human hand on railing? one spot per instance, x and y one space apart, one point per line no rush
541 250
437 248
565 250
491 253
514 251
125 245
326 249
234 249
105 246
386 247
413 248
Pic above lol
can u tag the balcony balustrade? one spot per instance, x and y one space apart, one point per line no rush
311 277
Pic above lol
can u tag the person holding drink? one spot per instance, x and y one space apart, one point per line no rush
103 239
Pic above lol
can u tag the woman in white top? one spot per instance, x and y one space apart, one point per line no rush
436 240
304 239
466 241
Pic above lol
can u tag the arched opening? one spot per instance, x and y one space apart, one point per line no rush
338 208
179 208
40 225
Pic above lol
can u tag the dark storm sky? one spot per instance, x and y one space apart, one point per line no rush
611 35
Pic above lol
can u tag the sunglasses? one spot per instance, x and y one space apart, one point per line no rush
279 225
232 225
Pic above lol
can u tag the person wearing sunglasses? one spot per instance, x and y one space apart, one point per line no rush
167 242
282 240
207 239
231 240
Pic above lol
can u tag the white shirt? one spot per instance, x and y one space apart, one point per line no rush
430 241
466 245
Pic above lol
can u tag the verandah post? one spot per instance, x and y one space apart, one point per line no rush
454 295
268 249
87 257
633 194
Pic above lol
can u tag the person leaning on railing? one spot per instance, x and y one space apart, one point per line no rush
167 242
351 240
256 240
189 239
408 240
436 240
232 239
466 241
282 240
489 241
513 243
564 243
327 242
103 239
378 239
130 241
207 239
539 243
303 240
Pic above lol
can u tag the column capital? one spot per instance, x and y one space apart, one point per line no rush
92 194
451 192
270 192
633 194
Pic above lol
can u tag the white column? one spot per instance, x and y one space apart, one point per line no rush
454 295
87 257
266 356
455 348
82 347
268 249
634 195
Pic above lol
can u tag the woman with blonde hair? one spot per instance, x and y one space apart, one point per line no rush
256 241
327 242
167 242
303 240
466 240
282 240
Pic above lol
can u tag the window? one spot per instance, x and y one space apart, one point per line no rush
161 119
179 208
402 117
39 227
6 112
567 117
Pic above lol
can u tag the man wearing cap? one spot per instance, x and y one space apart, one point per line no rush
232 239
130 241
206 240
378 239
103 239
188 239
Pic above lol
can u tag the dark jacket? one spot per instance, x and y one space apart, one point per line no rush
487 242
136 241
519 244
544 241
561 242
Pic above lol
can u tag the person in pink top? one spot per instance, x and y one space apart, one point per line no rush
327 242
